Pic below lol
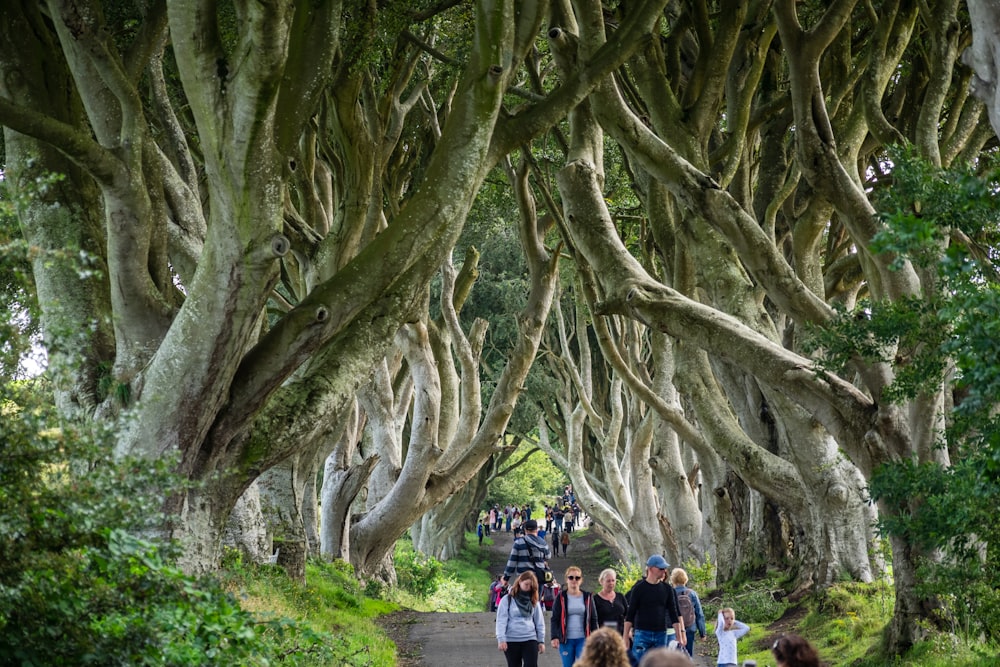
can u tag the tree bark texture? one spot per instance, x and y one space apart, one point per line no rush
249 275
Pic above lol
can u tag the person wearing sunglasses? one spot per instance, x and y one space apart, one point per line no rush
574 617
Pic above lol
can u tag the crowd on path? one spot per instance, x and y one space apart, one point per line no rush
560 519
655 624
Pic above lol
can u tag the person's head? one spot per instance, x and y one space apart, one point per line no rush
603 648
530 526
665 657
728 616
574 577
656 568
678 577
794 651
607 579
527 583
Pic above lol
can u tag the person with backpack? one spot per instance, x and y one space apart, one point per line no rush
496 592
529 553
564 541
690 608
520 625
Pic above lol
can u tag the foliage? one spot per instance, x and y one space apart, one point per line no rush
331 601
18 302
415 572
79 586
425 584
534 481
701 576
946 222
754 601
628 573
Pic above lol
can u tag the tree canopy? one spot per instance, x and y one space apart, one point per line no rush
265 193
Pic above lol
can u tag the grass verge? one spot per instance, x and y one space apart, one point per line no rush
331 604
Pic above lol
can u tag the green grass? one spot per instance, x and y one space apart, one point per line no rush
457 585
331 602
845 623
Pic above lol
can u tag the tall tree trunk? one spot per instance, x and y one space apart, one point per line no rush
441 531
247 530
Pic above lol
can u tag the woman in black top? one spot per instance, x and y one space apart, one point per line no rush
611 605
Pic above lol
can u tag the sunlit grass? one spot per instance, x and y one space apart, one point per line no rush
331 602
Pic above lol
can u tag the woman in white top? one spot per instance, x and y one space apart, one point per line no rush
728 630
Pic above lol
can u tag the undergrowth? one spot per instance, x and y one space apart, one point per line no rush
456 585
331 604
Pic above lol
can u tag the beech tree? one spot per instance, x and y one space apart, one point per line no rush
253 185
755 136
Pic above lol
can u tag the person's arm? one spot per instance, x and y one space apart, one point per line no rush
740 628
501 627
592 613
557 612
720 625
512 561
675 613
699 613
627 634
539 617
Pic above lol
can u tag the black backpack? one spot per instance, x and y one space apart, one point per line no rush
542 574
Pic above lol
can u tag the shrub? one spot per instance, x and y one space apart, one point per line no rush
79 586
701 576
415 572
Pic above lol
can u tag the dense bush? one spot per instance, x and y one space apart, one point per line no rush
78 583
415 572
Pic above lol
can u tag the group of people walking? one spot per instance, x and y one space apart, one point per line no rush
654 625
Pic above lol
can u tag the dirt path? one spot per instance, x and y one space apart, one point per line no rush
438 639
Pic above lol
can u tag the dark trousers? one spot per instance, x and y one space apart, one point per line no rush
522 654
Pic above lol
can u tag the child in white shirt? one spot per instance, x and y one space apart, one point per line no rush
728 630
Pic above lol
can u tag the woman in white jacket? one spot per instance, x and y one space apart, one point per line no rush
521 623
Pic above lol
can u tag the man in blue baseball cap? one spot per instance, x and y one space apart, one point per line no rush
652 607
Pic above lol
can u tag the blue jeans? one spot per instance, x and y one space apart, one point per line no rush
570 650
643 640
691 634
